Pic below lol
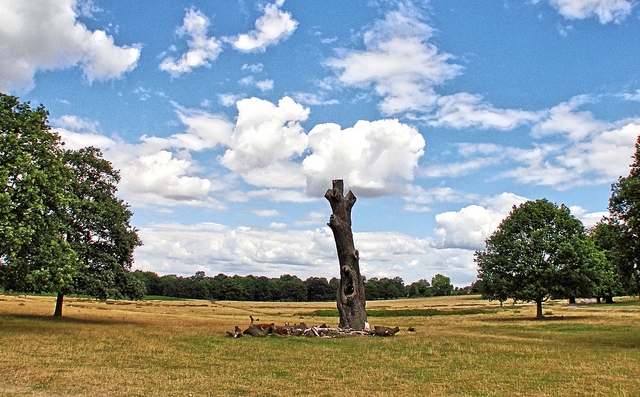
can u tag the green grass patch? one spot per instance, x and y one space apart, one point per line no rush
409 312
161 298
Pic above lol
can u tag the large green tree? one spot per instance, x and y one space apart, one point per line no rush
539 250
624 221
62 229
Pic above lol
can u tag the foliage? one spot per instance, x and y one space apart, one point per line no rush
319 290
286 288
624 221
384 288
98 228
441 285
34 255
61 227
420 288
540 250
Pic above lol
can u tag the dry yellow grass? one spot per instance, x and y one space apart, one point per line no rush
180 348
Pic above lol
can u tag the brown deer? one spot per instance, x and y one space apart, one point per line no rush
263 326
385 331
286 329
256 331
237 333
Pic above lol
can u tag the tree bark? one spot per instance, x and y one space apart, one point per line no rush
350 298
58 311
539 308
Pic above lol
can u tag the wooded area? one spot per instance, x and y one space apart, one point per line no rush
287 288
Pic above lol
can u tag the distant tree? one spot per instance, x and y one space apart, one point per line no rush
318 289
538 251
371 289
477 287
238 288
422 287
441 285
215 286
264 290
624 208
196 287
290 289
151 282
334 284
172 286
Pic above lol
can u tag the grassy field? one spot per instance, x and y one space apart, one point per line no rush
180 348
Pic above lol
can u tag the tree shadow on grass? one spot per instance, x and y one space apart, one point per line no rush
6 320
534 319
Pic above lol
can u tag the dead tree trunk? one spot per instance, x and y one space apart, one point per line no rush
351 300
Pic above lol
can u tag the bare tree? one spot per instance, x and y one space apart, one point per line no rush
351 300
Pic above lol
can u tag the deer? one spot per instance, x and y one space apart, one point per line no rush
257 331
237 333
286 329
385 331
263 326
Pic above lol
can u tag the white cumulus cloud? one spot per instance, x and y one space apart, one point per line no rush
472 225
38 35
399 62
265 140
373 157
202 49
272 27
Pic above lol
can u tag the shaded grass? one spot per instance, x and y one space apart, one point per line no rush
410 312
179 348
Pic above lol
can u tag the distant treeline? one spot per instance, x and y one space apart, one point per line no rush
287 288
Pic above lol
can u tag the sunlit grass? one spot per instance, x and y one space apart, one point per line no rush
178 348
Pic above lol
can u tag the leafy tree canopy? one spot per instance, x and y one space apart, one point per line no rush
62 229
539 250
624 222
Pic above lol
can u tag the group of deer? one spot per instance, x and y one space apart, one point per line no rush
261 330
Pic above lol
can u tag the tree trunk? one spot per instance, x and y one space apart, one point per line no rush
572 301
539 308
58 311
608 299
351 300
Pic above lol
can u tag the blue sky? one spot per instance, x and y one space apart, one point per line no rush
229 119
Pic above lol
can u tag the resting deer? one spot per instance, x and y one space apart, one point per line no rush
237 333
298 329
385 331
263 326
286 329
254 330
